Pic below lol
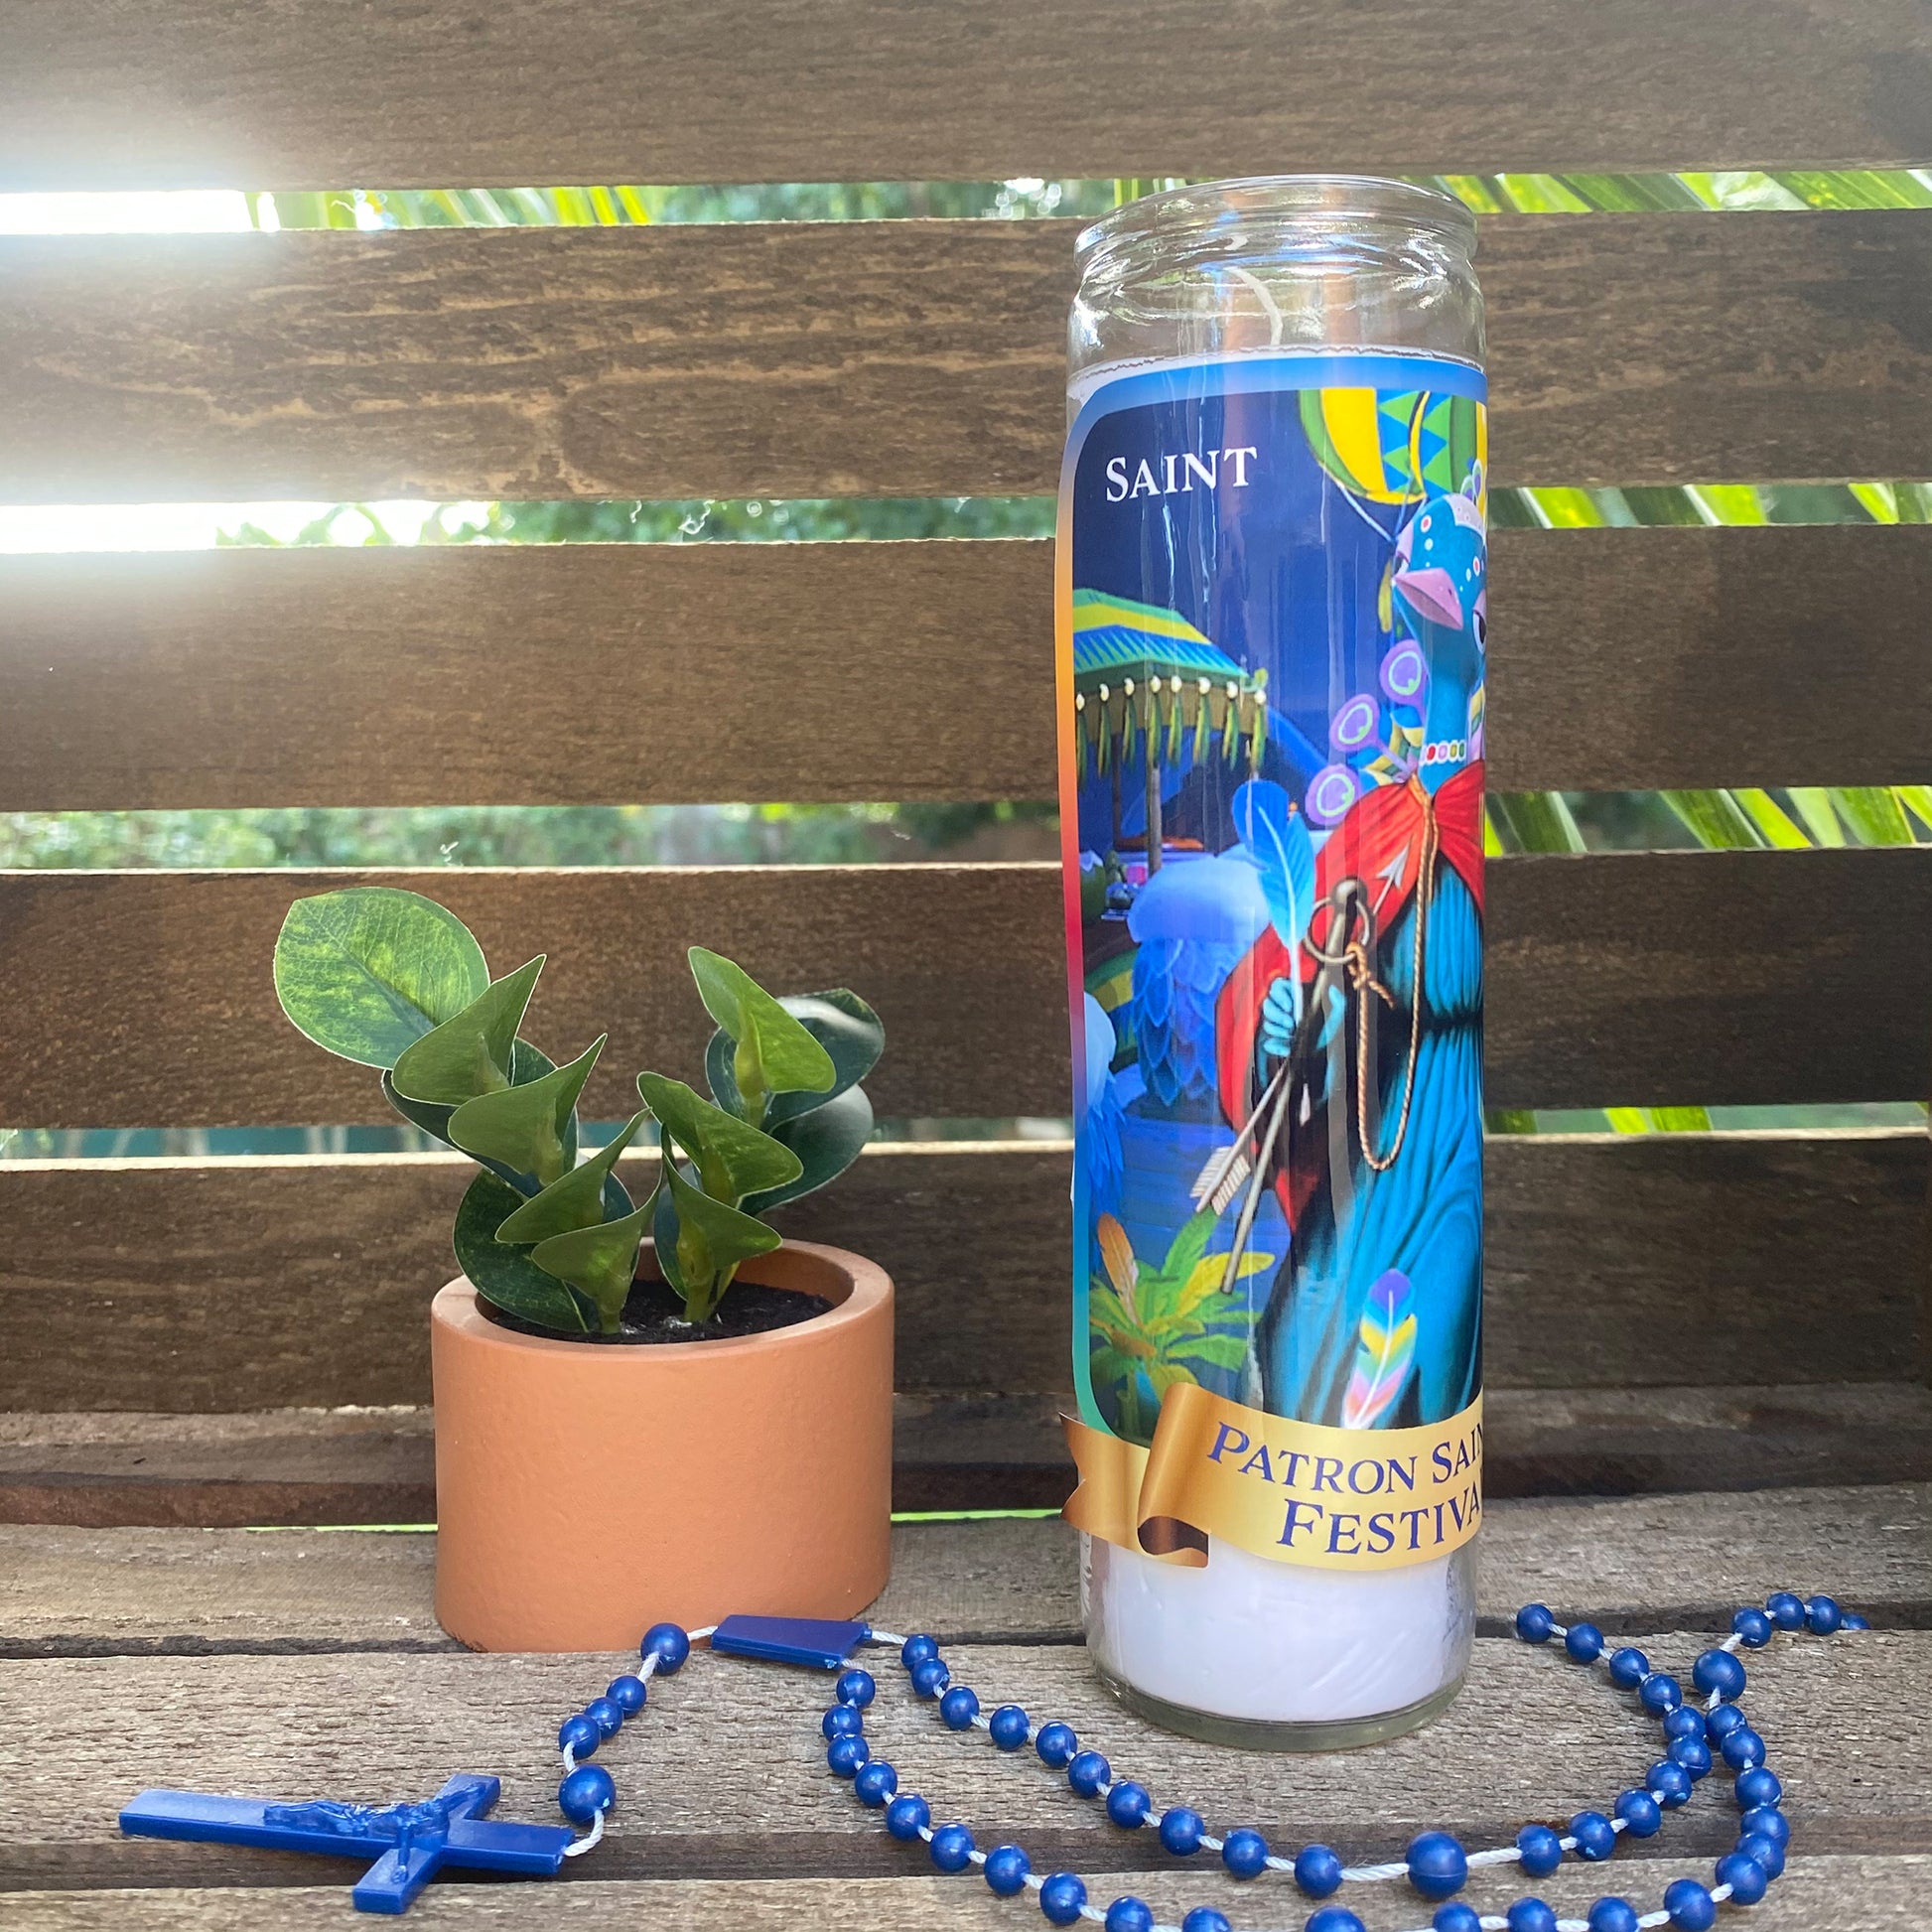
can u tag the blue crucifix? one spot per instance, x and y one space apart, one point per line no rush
415 1841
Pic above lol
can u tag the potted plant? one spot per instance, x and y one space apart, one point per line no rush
645 1407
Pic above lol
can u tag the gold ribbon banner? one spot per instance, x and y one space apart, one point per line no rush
1292 1492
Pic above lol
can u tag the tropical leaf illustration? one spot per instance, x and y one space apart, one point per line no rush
1384 1350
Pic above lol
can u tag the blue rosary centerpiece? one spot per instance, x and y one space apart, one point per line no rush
415 1841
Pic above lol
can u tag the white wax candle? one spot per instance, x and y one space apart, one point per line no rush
1275 1642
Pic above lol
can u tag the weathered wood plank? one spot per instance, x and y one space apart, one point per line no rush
1848 1892
120 96
1638 978
888 358
243 677
1849 1723
1761 1258
102 1469
1662 1563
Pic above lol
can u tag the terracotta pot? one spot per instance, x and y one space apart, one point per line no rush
585 1492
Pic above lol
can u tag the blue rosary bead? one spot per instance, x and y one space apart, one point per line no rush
1785 1611
628 1692
1181 1832
1755 1628
1760 1850
1660 1692
1767 1821
668 1644
1596 1839
1718 1671
1613 1915
1822 1616
587 1791
907 1817
1720 1722
855 1688
1087 1772
951 1847
1245 1853
1534 1624
1690 1905
579 1735
606 1715
845 1755
1006 1870
1057 1744
1317 1871
1531 1916
1438 1864
916 1651
1694 1754
930 1678
1542 1850
1642 1816
1758 1786
1746 1877
1853 1621
1205 1918
1335 1918
1130 1915
842 1720
1669 1783
1628 1668
1457 1917
1060 1898
876 1783
1684 1722
1008 1726
1743 1749
1128 1805
1584 1642
959 1707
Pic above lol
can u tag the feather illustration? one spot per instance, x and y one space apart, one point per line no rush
1383 1353
1122 1268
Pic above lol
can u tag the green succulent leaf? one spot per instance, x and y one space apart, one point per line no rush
527 1063
842 1022
469 1054
825 1141
506 1275
369 970
599 1261
712 1239
733 1158
526 1127
579 1199
771 1051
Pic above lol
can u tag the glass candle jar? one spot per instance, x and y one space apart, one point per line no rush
1272 639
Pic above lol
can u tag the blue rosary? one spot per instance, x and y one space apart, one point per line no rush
416 1840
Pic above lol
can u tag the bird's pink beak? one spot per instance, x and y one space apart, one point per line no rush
1432 592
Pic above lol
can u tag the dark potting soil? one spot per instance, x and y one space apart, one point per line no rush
654 1314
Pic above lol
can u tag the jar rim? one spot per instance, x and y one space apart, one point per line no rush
1201 205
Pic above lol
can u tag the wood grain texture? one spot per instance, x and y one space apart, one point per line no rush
244 677
105 1469
1849 1893
1529 1738
888 359
141 998
213 93
1632 1566
1769 1258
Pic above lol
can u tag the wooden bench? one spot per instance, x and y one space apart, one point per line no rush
191 1348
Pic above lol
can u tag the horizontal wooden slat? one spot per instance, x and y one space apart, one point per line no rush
1531 1736
235 678
144 997
117 94
1646 1564
1623 1260
309 1465
892 358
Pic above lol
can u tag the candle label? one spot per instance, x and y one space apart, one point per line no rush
1272 604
